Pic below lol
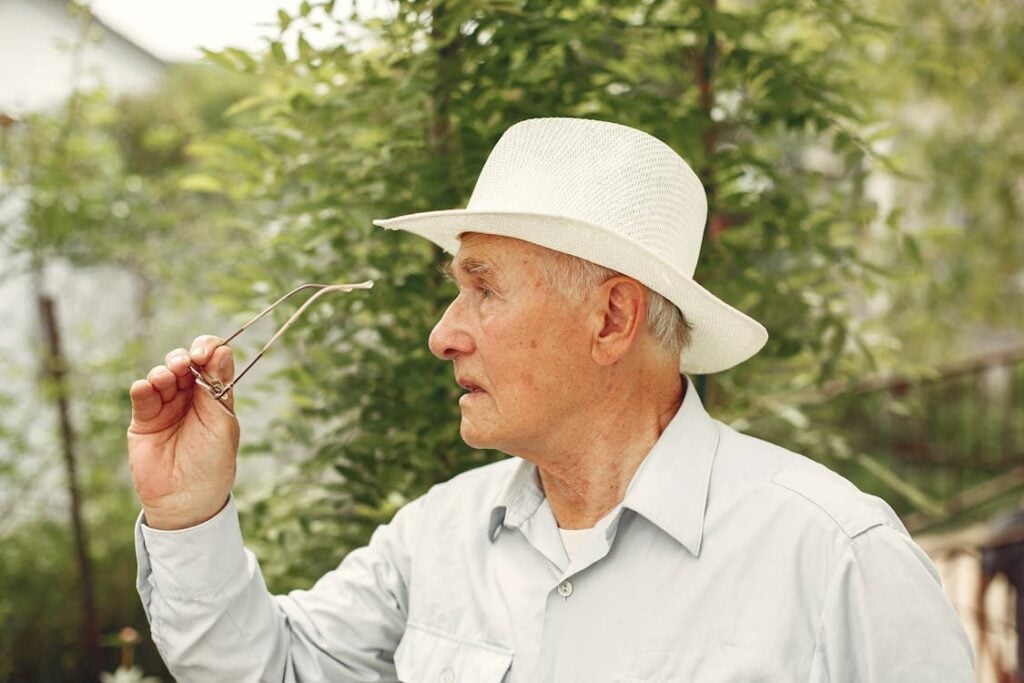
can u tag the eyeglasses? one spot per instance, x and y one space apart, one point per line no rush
218 389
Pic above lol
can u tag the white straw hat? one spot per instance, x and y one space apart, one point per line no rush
611 195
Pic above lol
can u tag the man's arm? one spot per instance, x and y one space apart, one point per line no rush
212 617
886 618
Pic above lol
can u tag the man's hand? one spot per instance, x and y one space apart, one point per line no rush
182 446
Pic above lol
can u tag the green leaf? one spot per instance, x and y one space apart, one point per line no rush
222 59
245 61
277 51
197 182
305 49
284 20
245 104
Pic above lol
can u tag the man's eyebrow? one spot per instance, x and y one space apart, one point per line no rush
474 267
469 266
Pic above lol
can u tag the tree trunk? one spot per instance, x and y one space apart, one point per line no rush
55 374
705 63
442 139
705 80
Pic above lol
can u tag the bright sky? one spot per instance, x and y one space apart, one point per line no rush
175 30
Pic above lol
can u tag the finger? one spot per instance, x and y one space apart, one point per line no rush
186 381
222 367
164 381
178 360
146 401
149 412
202 348
222 364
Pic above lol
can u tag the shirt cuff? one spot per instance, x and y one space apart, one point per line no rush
199 562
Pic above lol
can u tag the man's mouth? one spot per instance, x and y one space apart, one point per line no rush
469 386
473 390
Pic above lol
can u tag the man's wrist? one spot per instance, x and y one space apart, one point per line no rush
161 519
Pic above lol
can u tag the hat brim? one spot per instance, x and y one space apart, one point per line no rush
722 336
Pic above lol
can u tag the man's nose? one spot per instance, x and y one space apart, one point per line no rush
449 337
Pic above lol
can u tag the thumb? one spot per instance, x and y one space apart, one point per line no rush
219 371
146 402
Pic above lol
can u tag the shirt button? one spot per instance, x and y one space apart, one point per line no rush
565 589
448 676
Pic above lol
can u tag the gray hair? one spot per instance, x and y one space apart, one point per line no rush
575 276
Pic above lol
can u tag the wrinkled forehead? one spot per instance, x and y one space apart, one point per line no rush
481 243
479 252
481 240
509 262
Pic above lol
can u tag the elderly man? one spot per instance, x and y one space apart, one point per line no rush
632 538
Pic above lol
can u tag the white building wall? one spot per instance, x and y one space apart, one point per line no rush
36 41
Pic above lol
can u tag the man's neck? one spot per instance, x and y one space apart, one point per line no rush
588 478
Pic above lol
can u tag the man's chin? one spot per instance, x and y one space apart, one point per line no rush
475 437
473 440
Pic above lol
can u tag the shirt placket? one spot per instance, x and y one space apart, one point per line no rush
567 606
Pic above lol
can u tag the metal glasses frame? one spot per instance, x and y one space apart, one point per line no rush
218 389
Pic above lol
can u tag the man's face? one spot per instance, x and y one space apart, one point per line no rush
520 350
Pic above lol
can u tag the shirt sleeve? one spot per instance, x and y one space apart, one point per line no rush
212 617
885 617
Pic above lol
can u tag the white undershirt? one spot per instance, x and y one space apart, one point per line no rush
574 539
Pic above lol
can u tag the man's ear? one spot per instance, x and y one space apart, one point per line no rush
622 308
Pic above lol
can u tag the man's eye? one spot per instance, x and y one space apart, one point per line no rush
484 292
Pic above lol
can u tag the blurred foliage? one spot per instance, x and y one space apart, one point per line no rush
106 182
101 185
955 74
233 183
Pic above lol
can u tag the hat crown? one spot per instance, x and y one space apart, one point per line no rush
620 179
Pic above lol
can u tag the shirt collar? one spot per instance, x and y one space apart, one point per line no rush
669 489
518 500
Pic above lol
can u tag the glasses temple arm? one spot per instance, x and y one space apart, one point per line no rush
271 307
288 323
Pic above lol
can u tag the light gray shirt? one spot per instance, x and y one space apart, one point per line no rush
729 559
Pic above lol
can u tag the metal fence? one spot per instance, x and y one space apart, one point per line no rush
955 436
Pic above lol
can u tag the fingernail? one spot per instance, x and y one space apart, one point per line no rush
197 351
179 359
